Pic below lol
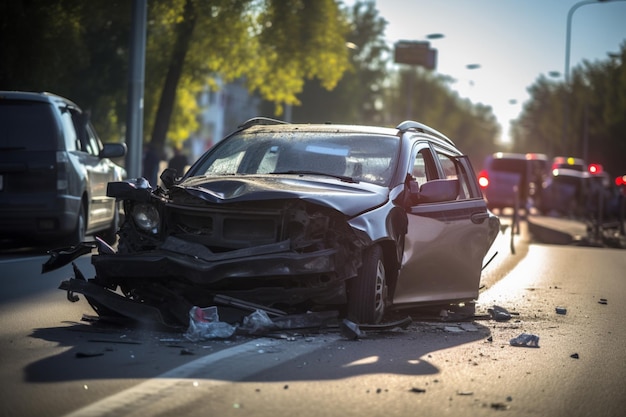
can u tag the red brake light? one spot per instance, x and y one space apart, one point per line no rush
595 168
483 179
619 181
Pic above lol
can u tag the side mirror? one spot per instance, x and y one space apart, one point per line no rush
113 150
168 177
436 191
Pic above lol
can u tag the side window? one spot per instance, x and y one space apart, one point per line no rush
448 165
93 143
453 168
424 168
419 168
72 142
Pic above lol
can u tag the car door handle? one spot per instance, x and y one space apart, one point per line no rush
479 217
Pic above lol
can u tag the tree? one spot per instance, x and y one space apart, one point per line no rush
274 44
80 49
595 125
357 98
430 100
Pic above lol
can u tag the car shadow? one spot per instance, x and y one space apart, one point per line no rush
96 351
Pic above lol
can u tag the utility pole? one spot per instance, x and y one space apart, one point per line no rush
134 120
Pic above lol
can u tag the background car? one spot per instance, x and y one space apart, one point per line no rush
513 180
301 217
569 162
54 172
566 193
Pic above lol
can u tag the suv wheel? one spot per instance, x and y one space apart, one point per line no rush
367 293
110 234
78 235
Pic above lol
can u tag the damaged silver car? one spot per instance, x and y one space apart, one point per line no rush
293 218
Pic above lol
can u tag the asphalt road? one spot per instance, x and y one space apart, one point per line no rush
55 365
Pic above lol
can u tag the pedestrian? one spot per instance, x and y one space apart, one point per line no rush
179 162
151 162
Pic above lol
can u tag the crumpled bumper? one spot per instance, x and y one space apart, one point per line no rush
194 262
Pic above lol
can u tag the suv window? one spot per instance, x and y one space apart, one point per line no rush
453 169
27 123
509 165
71 141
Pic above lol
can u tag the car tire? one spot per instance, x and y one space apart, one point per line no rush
110 234
78 235
367 292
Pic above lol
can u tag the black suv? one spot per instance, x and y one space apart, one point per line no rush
54 172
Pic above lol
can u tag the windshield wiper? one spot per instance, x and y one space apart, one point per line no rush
343 178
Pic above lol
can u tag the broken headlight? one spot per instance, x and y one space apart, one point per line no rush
146 217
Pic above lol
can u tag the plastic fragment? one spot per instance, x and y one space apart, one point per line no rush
88 354
350 329
574 356
561 310
204 324
499 313
525 340
257 322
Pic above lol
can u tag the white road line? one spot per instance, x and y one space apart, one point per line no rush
175 388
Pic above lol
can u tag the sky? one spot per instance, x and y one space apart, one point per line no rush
513 42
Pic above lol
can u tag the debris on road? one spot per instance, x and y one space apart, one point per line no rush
561 310
499 406
525 340
500 313
204 323
88 354
350 330
574 356
603 301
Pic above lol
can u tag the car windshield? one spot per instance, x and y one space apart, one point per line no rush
354 157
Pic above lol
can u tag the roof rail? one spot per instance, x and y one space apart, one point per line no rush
260 121
420 127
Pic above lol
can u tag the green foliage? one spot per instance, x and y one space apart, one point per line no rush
585 119
72 48
333 61
358 95
424 96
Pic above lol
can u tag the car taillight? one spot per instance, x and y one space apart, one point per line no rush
483 179
63 161
595 169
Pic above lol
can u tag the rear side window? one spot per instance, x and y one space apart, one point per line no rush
27 125
509 165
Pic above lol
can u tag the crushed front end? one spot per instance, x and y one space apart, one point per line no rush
186 246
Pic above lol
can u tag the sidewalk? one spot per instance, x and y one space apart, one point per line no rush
559 231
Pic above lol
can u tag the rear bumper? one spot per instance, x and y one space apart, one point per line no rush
39 216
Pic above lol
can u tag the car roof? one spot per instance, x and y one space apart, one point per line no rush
273 125
44 97
560 172
508 155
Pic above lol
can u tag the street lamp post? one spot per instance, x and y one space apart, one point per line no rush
568 41
415 53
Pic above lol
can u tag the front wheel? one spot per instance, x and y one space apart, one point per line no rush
367 292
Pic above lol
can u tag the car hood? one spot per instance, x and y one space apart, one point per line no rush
348 198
